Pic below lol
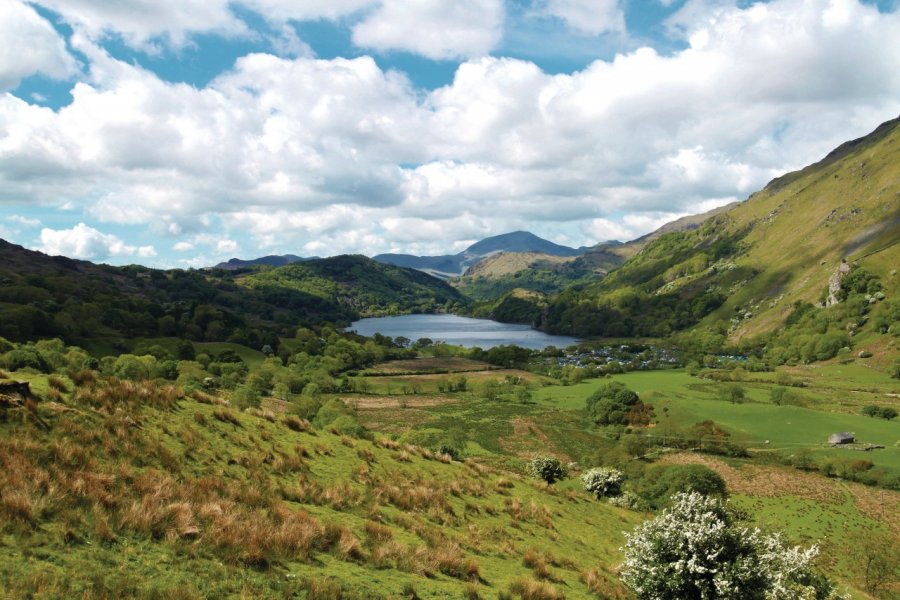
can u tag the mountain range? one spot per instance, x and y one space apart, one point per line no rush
454 265
743 267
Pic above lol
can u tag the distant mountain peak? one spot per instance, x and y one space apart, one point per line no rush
453 265
271 260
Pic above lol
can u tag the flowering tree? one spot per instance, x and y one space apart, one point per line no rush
693 550
602 481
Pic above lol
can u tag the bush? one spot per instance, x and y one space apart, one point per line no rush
602 481
548 468
733 393
660 482
245 397
695 550
22 358
895 369
615 404
882 412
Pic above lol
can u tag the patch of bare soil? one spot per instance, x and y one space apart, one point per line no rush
527 440
425 365
398 420
404 401
754 480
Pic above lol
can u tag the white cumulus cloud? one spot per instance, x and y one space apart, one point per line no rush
142 24
591 17
437 29
328 156
87 243
30 45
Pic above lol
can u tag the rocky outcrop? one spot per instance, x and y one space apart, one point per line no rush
12 393
834 283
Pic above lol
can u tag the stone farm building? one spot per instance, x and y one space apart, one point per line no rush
841 438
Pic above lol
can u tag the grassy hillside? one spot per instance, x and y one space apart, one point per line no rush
136 489
744 271
492 281
501 273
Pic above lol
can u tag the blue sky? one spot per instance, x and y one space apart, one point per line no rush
178 133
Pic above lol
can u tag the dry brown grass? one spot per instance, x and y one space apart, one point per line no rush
57 383
529 589
450 560
367 455
349 546
324 588
376 533
296 423
283 465
477 469
96 488
226 416
82 377
387 443
268 415
419 495
603 585
405 402
339 496
132 395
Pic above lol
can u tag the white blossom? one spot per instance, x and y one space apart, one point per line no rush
602 481
693 550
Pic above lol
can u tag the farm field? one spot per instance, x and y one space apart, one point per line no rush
681 400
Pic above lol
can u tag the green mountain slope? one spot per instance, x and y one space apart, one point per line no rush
105 308
361 284
513 286
743 270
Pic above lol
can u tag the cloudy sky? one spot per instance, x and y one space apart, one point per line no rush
182 132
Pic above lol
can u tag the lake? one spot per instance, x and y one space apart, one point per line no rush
460 331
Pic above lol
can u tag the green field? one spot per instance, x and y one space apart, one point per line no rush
681 400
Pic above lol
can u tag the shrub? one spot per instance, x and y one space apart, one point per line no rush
245 397
733 393
882 412
602 481
660 482
548 468
24 357
895 369
628 500
615 404
695 550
